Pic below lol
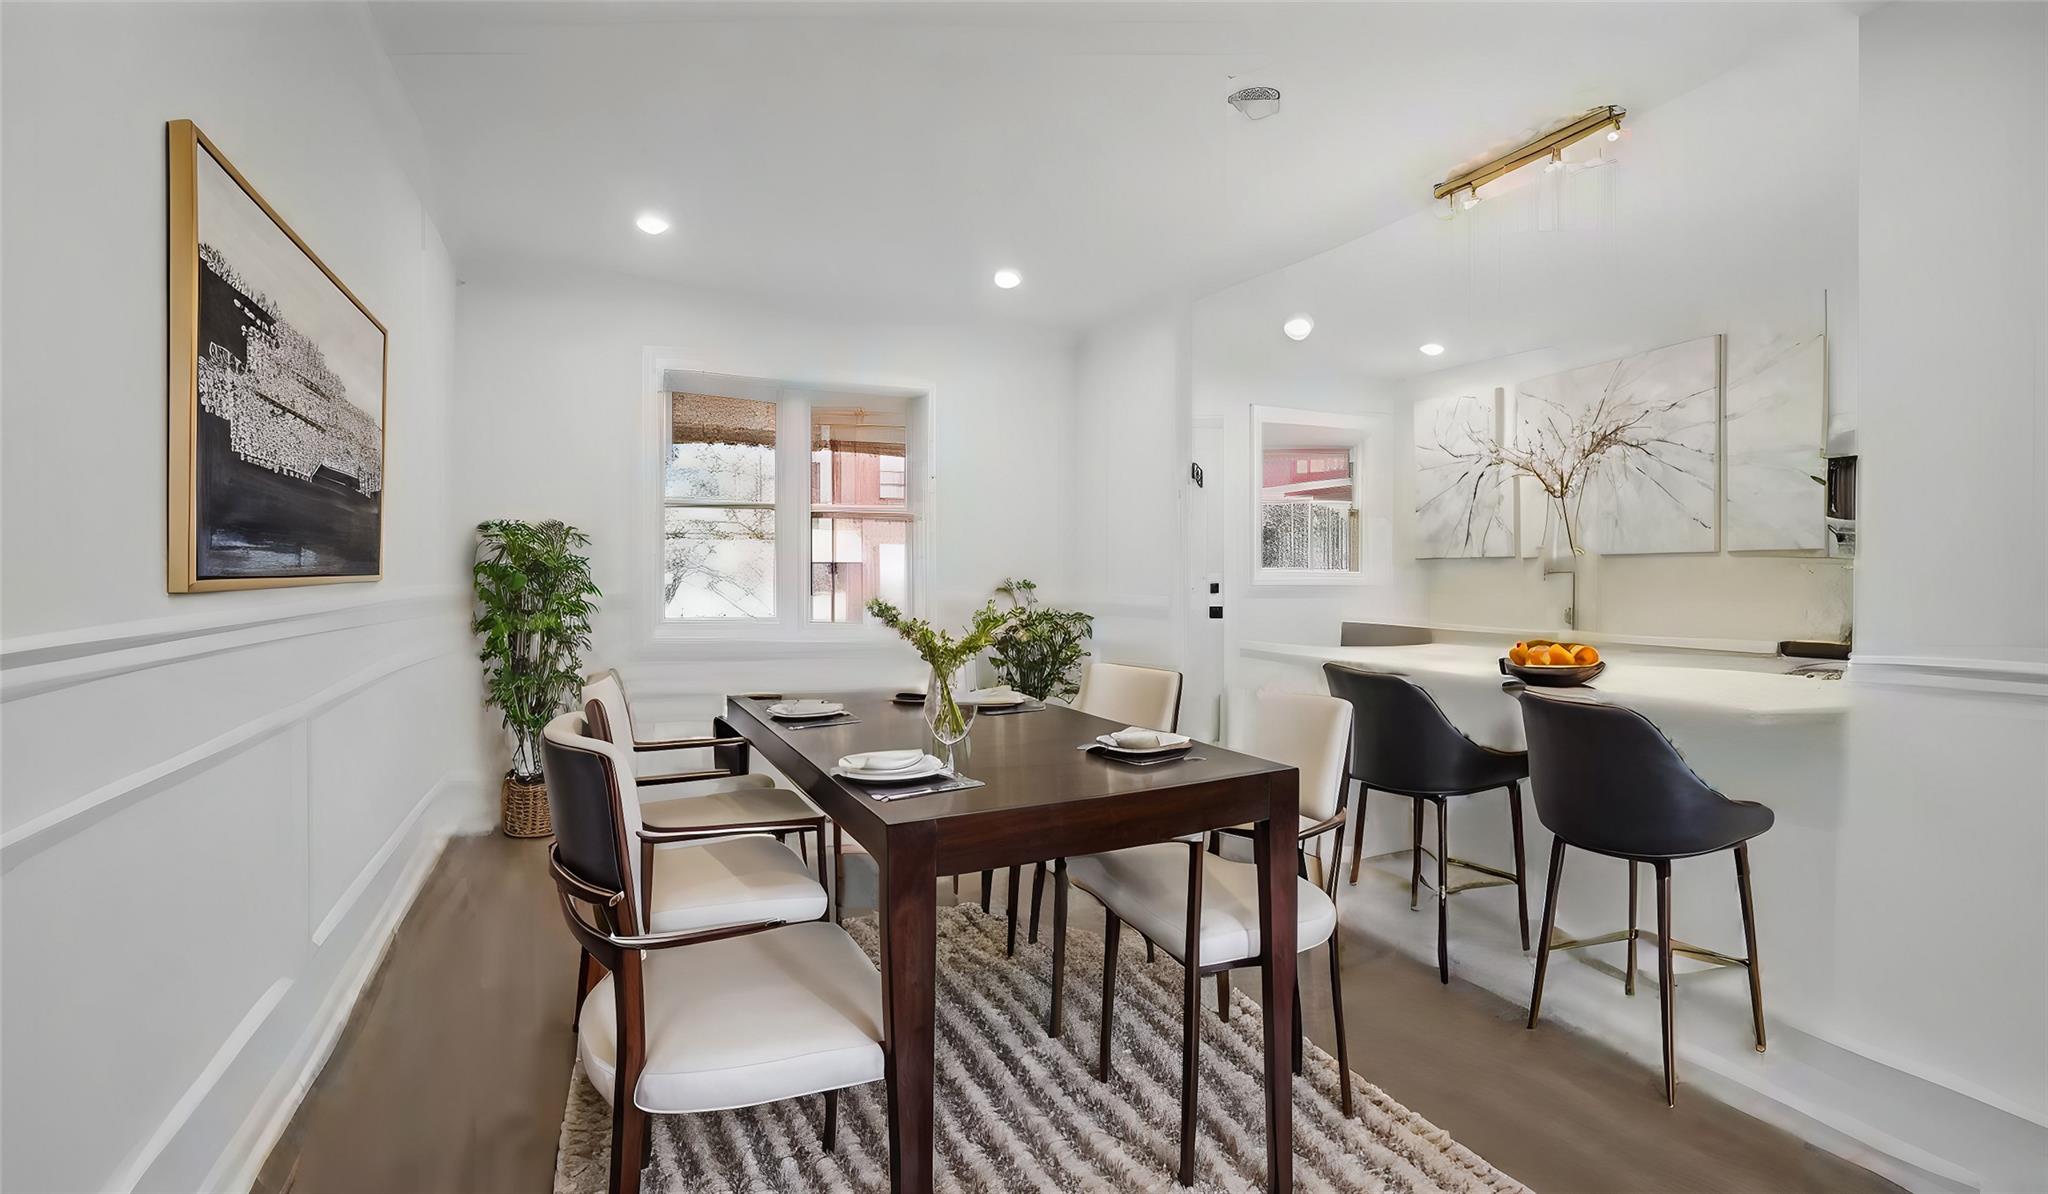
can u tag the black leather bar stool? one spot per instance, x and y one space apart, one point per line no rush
1607 780
1402 743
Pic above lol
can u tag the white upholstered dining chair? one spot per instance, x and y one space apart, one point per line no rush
706 802
1203 909
1146 697
715 996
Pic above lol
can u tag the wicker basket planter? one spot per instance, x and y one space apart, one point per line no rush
523 808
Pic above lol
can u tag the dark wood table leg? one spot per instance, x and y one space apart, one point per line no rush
1273 848
908 897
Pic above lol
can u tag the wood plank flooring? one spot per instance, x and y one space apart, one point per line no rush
451 1074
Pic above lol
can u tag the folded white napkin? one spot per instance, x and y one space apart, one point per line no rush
883 760
810 705
1134 738
1001 694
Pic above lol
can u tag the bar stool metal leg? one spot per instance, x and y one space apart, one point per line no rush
1664 989
1443 895
1756 975
1415 876
1628 982
1358 842
1521 867
1549 925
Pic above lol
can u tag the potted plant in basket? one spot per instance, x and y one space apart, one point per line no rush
533 605
1039 651
946 655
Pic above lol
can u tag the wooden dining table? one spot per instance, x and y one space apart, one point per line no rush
1041 799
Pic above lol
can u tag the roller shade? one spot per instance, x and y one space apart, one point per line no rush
715 419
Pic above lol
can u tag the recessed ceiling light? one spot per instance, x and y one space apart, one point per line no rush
650 223
1008 279
1432 350
1298 327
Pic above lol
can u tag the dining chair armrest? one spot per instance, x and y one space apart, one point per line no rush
694 936
682 777
698 743
659 834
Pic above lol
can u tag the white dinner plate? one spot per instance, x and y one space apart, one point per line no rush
1110 743
805 710
991 702
930 767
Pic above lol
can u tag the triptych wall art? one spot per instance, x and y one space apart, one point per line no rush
276 392
1696 447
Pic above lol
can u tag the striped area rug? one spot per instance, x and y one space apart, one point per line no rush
1018 1111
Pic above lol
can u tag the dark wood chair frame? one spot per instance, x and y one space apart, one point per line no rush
605 940
1442 887
730 752
730 756
1196 971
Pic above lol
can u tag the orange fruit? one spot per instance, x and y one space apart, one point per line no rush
1518 655
1558 655
1585 656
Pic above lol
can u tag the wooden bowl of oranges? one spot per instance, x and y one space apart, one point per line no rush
1552 664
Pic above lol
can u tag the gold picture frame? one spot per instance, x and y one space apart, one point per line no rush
276 484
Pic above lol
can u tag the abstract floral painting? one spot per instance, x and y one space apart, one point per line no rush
1776 425
1653 482
277 394
1464 496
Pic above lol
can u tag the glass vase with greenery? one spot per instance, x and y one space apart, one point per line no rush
1039 651
946 654
534 598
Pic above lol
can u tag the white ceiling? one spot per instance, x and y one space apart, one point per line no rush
886 159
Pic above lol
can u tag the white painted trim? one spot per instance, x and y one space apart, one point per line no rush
2000 677
38 833
35 664
242 1160
130 1174
347 901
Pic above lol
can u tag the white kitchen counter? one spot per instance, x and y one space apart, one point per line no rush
1672 690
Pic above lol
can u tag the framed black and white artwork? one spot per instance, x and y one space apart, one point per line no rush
276 388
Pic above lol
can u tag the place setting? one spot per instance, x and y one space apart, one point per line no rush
811 714
896 774
1139 747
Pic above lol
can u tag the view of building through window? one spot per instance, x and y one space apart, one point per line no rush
860 509
1308 510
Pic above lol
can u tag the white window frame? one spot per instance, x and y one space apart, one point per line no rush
790 631
1363 437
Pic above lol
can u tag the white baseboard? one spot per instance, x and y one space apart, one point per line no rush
451 810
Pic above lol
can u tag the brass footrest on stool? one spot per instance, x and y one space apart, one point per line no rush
1497 877
1697 953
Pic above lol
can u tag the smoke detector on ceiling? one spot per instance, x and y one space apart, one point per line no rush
1256 103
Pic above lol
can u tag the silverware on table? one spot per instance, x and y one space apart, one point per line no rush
842 720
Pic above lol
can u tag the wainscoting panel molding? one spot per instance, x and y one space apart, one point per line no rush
277 787
74 815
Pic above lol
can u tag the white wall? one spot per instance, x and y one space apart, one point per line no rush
550 403
1948 740
214 805
1128 458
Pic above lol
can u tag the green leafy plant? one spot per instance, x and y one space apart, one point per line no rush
944 652
533 605
1039 651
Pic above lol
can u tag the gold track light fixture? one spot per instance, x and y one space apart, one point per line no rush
1550 145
